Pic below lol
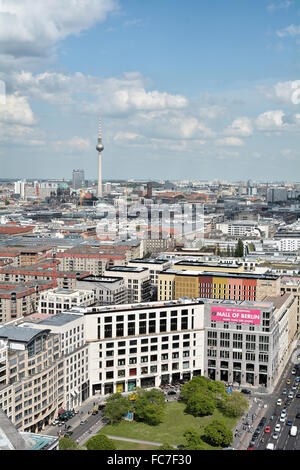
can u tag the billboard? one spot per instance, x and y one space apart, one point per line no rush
238 315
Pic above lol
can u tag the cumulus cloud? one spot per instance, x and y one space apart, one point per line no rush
241 127
16 110
115 95
270 121
286 92
32 27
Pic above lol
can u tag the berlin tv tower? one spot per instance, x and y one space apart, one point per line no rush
99 148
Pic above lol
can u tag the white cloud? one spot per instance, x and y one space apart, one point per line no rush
115 95
270 121
230 142
78 143
286 92
32 27
279 6
291 30
241 127
16 110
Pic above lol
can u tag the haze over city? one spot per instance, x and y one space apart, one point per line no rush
196 89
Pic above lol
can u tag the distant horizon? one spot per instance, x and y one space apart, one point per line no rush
157 180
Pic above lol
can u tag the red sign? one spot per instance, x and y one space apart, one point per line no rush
238 315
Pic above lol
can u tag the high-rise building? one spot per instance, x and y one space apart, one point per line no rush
78 179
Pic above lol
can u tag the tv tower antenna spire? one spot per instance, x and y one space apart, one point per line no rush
99 148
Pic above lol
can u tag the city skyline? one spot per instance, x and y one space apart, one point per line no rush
204 90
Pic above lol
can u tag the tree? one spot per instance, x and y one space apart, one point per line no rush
149 406
217 434
100 442
200 404
116 407
233 405
239 250
65 443
199 384
193 440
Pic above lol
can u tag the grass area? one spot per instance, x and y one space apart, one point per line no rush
170 430
122 445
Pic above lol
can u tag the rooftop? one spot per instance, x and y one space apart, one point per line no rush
20 333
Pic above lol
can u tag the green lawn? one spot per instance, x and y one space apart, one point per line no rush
170 430
122 445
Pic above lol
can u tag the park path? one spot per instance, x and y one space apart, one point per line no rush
137 441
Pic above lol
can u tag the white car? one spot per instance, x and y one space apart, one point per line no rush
291 395
282 418
277 428
294 371
275 435
279 401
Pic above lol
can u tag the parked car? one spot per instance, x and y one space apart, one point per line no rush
268 429
298 415
284 391
246 391
294 371
275 435
288 382
279 401
289 422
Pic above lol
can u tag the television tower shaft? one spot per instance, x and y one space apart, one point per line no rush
99 148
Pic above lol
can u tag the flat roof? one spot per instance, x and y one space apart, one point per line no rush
59 319
20 333
149 261
127 268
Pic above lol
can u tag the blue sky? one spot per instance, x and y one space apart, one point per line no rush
200 89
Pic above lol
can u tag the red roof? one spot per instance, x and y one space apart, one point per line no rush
11 230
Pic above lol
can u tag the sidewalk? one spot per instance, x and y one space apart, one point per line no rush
253 415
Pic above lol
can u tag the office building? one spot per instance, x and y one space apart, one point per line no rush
78 180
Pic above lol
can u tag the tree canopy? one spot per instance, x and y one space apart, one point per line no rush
149 406
233 405
100 442
217 434
116 407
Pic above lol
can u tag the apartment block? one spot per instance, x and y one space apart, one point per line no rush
74 350
20 299
216 285
58 300
249 343
143 345
155 266
137 282
33 389
108 290
90 259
